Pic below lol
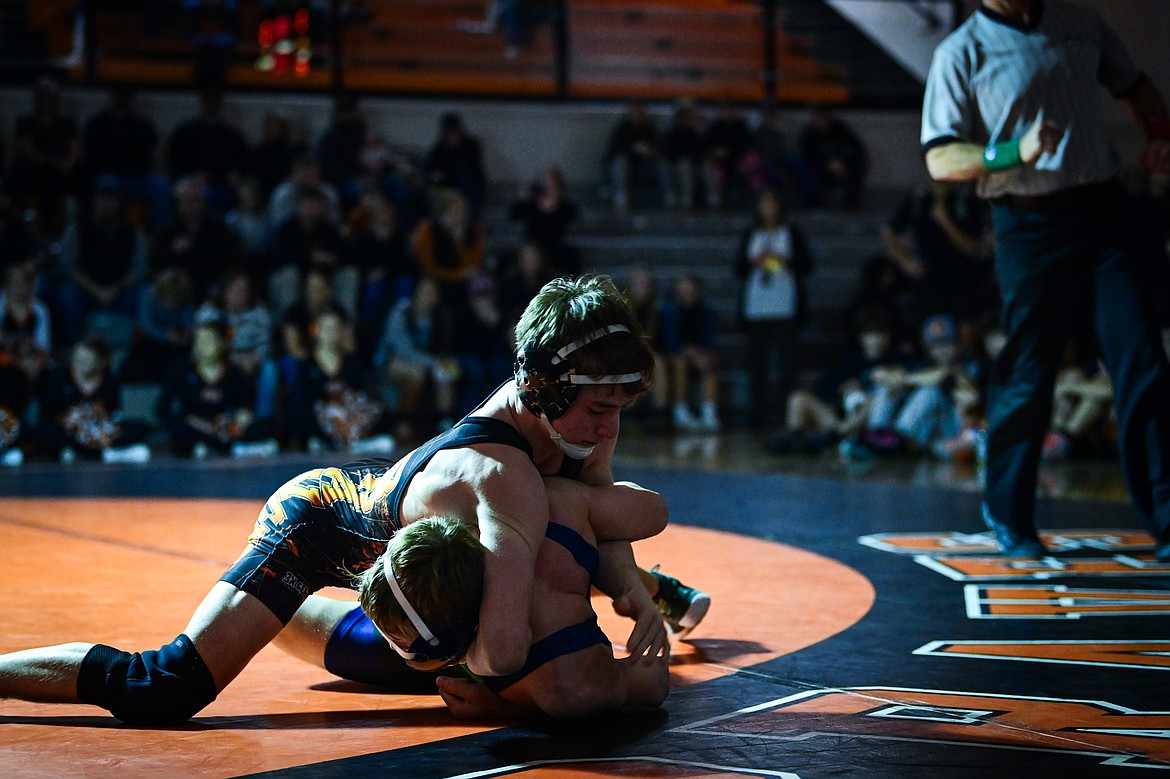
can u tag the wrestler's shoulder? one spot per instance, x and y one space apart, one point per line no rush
486 461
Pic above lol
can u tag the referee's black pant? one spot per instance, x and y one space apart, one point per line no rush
1065 261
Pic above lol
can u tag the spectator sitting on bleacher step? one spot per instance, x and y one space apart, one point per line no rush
306 241
548 214
685 146
379 246
837 157
519 281
249 326
783 168
198 241
271 160
736 174
80 411
305 174
837 406
455 161
330 408
162 333
340 146
688 343
25 343
121 142
633 161
642 295
207 145
103 258
42 172
206 404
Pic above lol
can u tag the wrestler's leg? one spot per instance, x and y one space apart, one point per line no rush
338 636
614 512
46 674
227 629
307 634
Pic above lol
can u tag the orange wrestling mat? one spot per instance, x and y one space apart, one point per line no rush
883 639
128 572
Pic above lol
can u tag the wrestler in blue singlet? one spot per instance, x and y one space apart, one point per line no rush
358 652
568 639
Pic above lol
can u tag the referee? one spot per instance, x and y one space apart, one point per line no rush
1013 101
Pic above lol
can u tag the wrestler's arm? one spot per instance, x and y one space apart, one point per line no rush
647 682
598 470
512 515
618 575
592 682
581 684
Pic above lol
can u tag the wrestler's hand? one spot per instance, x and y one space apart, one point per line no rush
1042 137
472 700
649 634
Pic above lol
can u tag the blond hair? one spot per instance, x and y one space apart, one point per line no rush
438 563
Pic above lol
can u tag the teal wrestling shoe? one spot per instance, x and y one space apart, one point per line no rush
682 607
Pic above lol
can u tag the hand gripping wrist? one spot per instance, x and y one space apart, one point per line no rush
1004 155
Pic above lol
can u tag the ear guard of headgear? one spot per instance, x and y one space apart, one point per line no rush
548 380
541 389
447 645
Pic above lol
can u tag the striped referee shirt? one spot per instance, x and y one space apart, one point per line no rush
993 76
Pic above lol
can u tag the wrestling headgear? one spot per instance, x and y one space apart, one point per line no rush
548 380
448 645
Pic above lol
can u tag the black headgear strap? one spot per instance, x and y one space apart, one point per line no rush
548 380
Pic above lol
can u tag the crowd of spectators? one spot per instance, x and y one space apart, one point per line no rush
341 293
723 161
277 293
922 330
925 331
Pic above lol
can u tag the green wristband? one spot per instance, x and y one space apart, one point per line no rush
470 674
1002 156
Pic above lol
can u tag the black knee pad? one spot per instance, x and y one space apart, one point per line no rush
160 687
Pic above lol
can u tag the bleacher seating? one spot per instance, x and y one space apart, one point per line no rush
673 243
33 34
706 49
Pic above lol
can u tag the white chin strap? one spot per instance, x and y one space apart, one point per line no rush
576 451
411 614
